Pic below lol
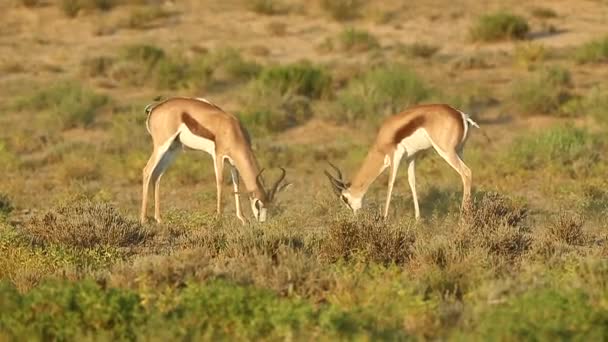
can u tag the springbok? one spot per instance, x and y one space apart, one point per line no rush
417 128
198 124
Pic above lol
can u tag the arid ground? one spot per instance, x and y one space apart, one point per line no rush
311 81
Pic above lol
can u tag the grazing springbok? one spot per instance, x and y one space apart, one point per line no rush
417 128
198 124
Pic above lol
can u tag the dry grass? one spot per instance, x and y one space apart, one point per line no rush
516 264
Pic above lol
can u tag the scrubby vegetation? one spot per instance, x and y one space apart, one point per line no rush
310 81
382 91
499 26
544 91
595 51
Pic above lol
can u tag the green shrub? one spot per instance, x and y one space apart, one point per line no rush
71 310
354 40
421 50
30 3
268 7
595 51
543 91
97 66
69 103
499 26
8 159
528 55
382 91
561 146
144 53
568 229
228 65
594 104
84 224
299 79
142 18
547 313
544 12
267 110
369 237
342 10
70 7
5 205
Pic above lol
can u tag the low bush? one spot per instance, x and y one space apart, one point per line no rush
84 224
499 26
563 146
368 237
268 7
70 104
354 40
382 91
342 10
543 92
297 79
595 51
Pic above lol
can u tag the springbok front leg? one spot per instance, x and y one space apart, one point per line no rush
396 160
218 164
237 199
411 178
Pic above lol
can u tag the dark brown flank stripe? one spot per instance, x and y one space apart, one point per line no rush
408 129
197 128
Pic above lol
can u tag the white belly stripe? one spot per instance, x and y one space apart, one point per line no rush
194 141
418 141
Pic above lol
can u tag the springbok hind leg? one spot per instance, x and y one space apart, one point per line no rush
465 173
165 158
147 173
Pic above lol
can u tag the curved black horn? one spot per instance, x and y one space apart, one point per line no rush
337 185
340 177
274 188
258 178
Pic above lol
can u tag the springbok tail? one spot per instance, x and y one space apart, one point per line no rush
473 123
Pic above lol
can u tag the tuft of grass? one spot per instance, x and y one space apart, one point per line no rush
382 91
268 7
5 205
543 13
595 51
343 10
70 7
268 110
277 28
568 229
419 50
69 103
299 79
543 92
30 3
354 40
368 237
563 146
499 26
530 54
593 104
142 18
99 66
84 224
